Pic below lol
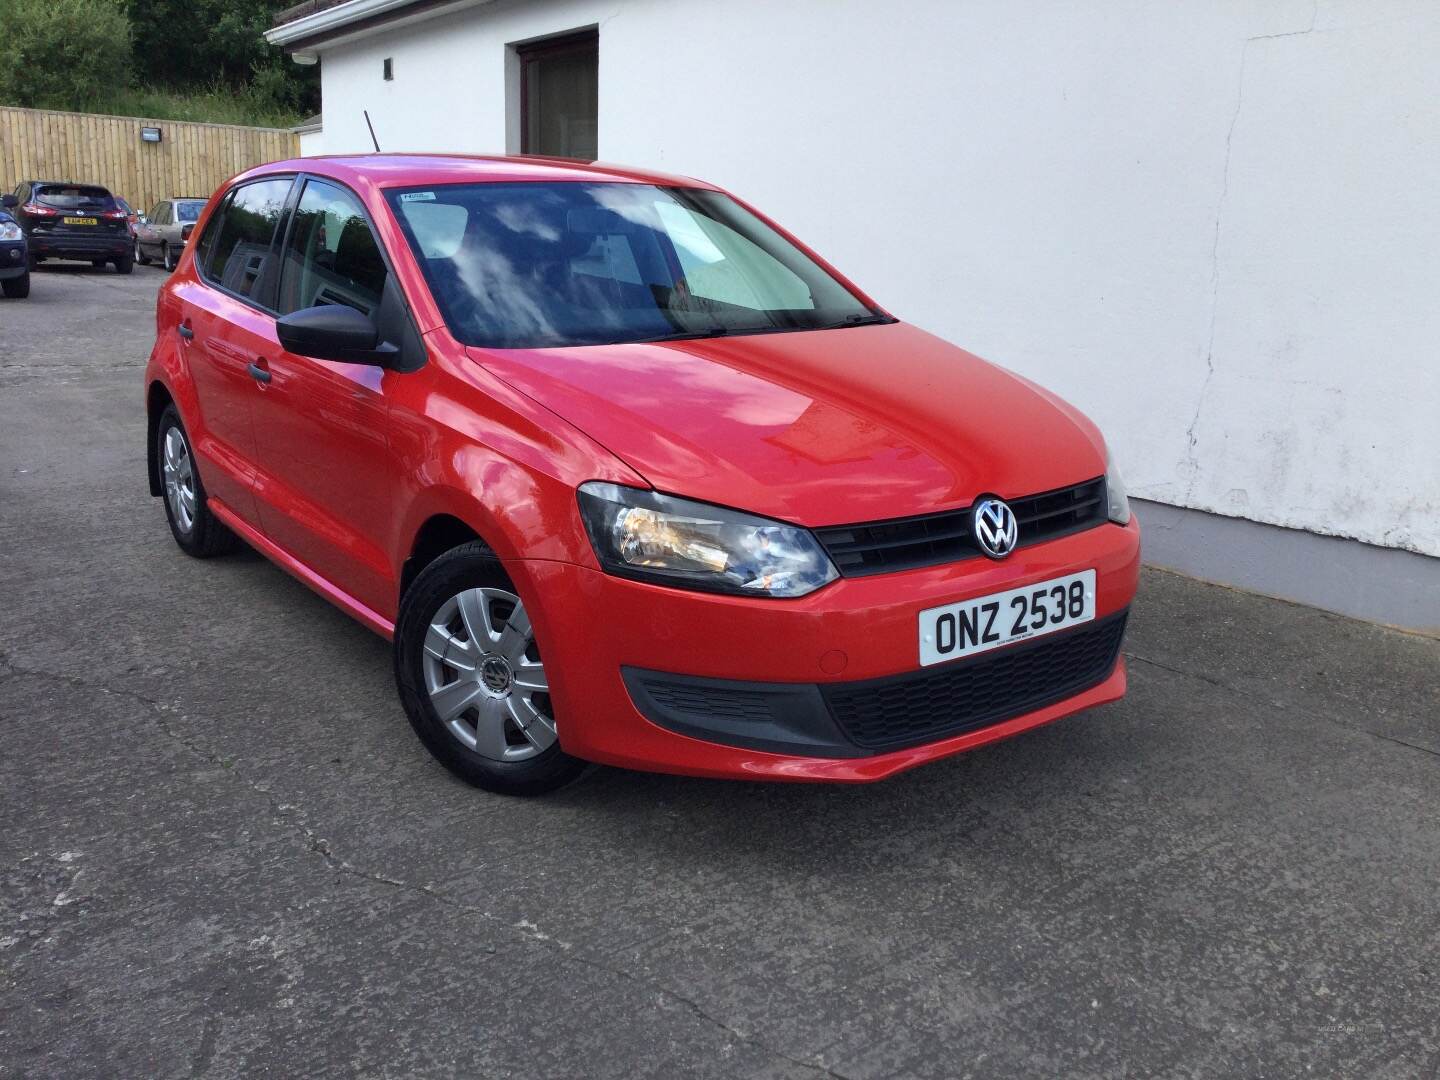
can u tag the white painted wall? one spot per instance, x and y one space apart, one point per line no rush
1215 226
312 143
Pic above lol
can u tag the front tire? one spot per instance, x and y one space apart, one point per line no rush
195 528
472 680
16 288
140 256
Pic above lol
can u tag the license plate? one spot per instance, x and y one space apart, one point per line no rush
974 626
81 221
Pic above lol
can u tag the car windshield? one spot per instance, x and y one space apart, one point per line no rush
189 210
74 197
537 265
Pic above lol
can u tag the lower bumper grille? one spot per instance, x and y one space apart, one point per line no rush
891 713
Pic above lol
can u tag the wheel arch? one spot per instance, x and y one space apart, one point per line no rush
437 534
444 517
157 397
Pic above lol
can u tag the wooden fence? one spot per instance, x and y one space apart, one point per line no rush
190 159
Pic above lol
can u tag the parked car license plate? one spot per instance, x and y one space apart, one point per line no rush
81 221
974 626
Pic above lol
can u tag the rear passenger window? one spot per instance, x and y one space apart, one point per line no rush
332 256
241 261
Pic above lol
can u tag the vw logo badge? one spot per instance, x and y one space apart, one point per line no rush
996 531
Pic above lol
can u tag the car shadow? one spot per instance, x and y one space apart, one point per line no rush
991 796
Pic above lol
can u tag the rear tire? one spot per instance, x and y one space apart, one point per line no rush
125 264
463 644
17 288
195 528
166 259
140 256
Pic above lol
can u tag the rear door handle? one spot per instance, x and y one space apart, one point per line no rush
261 375
186 332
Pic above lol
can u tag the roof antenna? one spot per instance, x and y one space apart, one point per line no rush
372 131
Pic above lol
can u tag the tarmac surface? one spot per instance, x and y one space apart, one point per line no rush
223 853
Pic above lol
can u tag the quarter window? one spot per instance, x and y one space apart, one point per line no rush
332 256
242 257
207 238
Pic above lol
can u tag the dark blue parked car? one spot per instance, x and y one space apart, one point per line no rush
14 253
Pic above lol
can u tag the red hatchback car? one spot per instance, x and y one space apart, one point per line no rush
629 475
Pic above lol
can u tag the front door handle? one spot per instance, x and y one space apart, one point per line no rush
186 332
261 375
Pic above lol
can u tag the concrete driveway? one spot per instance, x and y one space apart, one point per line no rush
224 853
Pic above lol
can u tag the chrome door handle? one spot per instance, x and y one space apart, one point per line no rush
187 333
261 375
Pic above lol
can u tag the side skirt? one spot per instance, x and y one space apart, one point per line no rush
293 566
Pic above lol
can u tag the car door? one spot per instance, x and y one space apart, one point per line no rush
170 230
148 233
227 322
327 481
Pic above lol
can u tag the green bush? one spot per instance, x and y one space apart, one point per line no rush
214 104
63 54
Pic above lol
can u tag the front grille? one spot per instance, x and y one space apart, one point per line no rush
886 714
880 547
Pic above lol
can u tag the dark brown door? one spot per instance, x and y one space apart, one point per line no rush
559 81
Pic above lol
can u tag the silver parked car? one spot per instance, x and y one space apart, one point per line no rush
161 233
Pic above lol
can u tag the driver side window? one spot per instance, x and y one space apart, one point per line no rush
332 256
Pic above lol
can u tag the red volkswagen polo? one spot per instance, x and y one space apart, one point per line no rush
629 475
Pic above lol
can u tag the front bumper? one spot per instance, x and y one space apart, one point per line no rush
599 633
14 261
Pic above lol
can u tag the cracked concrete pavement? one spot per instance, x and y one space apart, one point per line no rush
224 854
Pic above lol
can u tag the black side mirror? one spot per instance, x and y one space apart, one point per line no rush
335 332
9 202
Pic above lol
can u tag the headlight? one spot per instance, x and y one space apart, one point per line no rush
692 545
1119 509
11 231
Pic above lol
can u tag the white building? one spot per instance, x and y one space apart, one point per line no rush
1214 226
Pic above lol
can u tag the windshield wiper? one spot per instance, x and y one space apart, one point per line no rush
870 319
683 335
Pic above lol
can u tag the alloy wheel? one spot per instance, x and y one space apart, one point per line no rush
179 475
485 678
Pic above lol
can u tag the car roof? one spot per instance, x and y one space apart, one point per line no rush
407 170
67 183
